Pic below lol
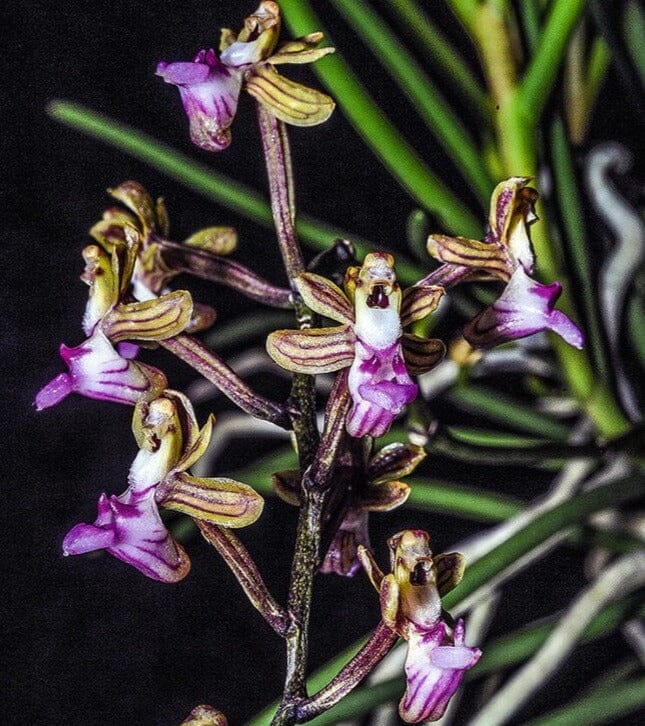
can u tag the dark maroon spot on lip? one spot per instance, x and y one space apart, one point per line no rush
378 297
421 573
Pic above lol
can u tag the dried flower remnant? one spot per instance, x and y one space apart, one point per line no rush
410 597
210 86
102 367
129 526
370 341
525 306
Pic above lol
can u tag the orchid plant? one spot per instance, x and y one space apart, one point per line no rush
364 339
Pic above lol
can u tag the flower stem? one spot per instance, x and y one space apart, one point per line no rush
206 362
375 649
316 481
246 572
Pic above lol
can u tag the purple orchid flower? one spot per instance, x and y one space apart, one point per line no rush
434 668
210 86
103 366
370 340
98 371
410 598
209 91
525 306
129 526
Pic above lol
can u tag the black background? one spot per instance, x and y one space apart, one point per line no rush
90 640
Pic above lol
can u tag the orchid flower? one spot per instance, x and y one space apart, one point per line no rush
210 86
410 597
525 306
204 254
377 489
370 341
129 526
96 368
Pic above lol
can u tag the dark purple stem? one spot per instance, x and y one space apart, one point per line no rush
447 275
362 664
227 272
245 570
214 369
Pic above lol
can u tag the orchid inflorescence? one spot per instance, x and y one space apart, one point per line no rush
128 269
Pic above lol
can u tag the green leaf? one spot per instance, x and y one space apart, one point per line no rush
571 214
504 410
426 97
418 24
202 179
378 132
543 69
603 706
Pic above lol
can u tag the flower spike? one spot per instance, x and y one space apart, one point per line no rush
210 86
370 340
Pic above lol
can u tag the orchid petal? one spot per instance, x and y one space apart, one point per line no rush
287 486
367 419
525 307
394 461
225 502
155 319
216 240
130 528
287 100
341 558
97 371
434 669
449 570
385 496
419 301
471 253
421 354
319 350
372 570
301 50
209 92
135 197
325 297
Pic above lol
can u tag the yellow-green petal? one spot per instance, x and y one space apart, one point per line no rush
155 319
287 100
320 350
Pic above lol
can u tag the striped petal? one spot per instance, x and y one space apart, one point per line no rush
225 502
287 100
421 354
394 461
130 528
471 253
155 319
449 569
319 350
325 297
301 50
419 301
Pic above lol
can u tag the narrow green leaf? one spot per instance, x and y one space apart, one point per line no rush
571 215
483 437
634 32
543 69
477 504
574 510
211 184
439 49
427 98
601 707
378 132
504 410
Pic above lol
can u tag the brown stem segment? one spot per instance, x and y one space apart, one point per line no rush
226 272
245 570
316 482
214 369
377 647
